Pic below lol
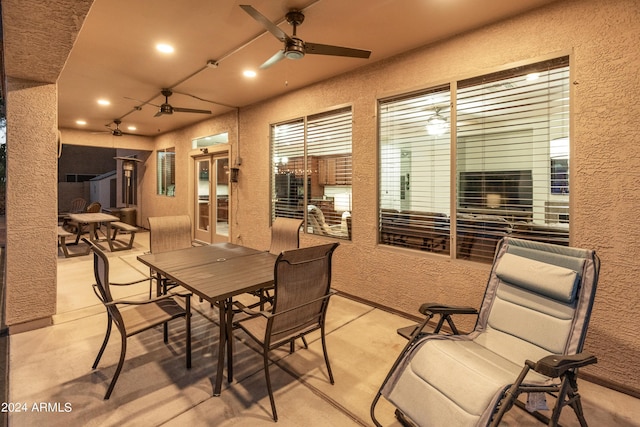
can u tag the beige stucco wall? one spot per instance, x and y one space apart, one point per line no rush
32 179
601 37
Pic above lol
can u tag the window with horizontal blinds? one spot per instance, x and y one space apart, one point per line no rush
312 172
507 123
166 168
287 148
510 161
415 152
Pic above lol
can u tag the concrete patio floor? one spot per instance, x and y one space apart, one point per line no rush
52 366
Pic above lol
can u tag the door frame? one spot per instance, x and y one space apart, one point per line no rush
211 153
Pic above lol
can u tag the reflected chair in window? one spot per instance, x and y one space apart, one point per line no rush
302 292
316 220
168 233
528 338
133 317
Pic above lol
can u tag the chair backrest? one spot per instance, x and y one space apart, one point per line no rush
78 205
317 221
101 287
302 277
94 207
168 233
538 300
285 235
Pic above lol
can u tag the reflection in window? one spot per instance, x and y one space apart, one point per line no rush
166 167
316 186
511 168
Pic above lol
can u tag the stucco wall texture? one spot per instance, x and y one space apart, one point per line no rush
600 36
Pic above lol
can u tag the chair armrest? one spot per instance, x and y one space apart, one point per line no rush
556 365
268 314
250 312
430 308
130 283
186 295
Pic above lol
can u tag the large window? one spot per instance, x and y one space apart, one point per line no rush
312 172
167 172
509 163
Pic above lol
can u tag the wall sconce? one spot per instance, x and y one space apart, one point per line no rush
234 174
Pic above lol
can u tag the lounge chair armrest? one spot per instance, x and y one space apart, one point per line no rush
430 308
556 365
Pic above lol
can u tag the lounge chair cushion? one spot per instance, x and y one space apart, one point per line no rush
555 282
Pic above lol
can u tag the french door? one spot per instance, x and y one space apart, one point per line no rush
212 198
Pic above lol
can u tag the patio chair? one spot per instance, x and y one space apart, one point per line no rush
302 292
285 235
528 338
168 233
133 317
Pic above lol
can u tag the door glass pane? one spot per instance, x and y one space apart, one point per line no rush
202 213
222 196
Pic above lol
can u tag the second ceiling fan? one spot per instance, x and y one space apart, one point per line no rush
167 108
294 47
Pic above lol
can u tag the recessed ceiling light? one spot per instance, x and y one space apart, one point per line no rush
81 122
164 48
103 102
131 128
249 73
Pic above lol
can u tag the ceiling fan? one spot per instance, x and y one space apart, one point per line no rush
294 47
167 108
115 131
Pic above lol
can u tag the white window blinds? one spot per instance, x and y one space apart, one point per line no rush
507 123
312 171
415 170
510 163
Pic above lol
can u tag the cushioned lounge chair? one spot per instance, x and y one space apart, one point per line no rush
528 338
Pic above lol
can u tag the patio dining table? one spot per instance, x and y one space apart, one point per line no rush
216 273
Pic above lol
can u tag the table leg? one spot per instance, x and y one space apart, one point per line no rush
221 347
229 321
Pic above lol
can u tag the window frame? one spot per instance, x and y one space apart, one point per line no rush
395 227
165 177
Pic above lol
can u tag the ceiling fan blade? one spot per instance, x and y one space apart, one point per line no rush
190 110
325 49
270 26
158 114
279 56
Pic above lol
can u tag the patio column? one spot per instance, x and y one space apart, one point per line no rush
31 213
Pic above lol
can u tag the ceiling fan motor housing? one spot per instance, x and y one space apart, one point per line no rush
294 50
166 109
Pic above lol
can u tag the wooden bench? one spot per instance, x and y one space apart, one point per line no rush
62 243
122 227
